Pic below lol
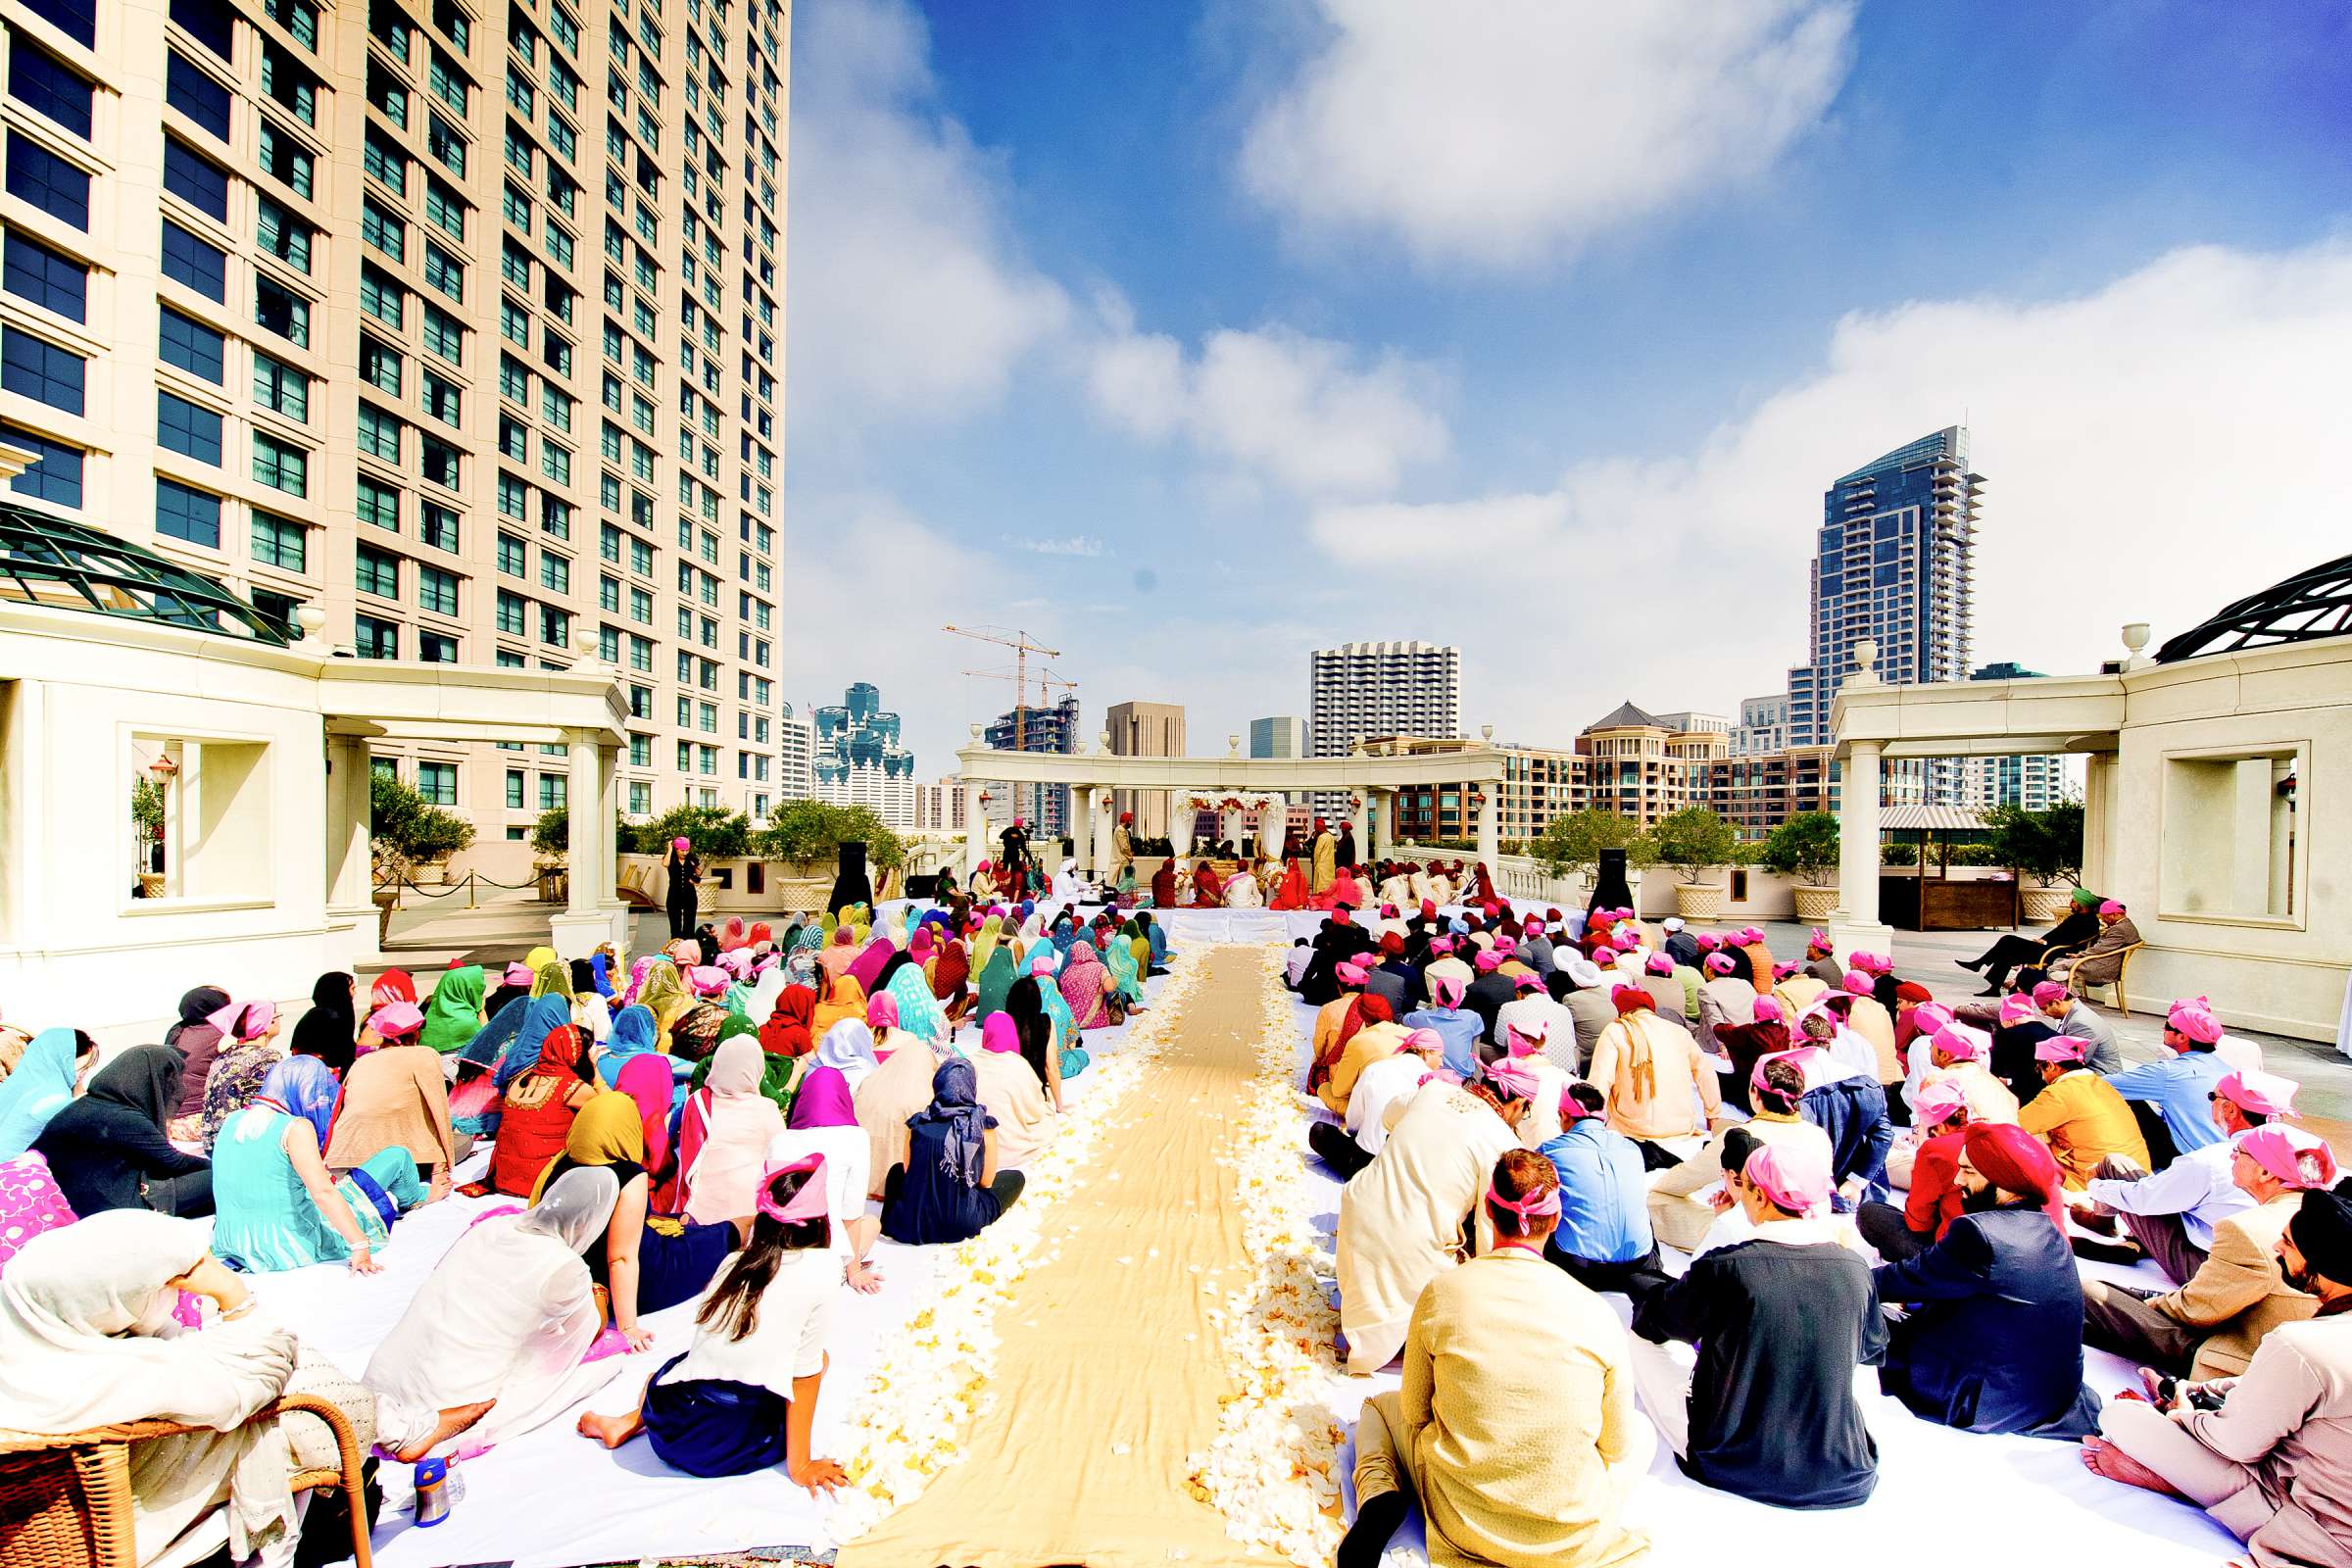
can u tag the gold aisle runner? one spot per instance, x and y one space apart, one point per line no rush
1109 1372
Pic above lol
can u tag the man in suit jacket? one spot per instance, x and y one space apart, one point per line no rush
2102 961
2211 1326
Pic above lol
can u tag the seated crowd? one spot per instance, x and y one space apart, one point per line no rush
1855 1181
735 1120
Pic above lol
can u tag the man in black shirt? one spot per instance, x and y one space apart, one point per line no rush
1780 1321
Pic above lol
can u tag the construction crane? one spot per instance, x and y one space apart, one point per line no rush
1022 647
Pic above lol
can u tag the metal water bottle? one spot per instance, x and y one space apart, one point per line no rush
432 1491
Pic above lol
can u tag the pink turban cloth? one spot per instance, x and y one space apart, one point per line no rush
1793 1176
2281 1151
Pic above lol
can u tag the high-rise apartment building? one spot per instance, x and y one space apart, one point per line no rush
1146 729
1044 807
1359 690
1278 737
1763 725
939 807
462 323
2037 782
858 758
795 754
1892 564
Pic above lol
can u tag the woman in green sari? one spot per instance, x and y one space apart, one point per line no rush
996 979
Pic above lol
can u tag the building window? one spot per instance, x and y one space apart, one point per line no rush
437 782
442 400
514 614
555 792
186 428
39 176
437 590
184 513
444 464
513 556
298 17
40 370
191 90
555 573
378 573
382 297
195 178
378 504
379 228
281 388
188 259
555 627
288 85
281 542
436 647
375 638
378 434
75 18
211 23
437 526
514 788
42 82
380 366
280 465
48 278
641 798
278 310
55 475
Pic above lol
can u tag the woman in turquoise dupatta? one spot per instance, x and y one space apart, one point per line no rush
1065 1022
1118 956
996 979
919 1011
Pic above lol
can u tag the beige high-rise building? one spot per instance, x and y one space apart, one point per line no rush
461 322
1146 729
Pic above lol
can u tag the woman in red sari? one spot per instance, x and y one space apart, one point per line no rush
1291 893
1482 886
951 979
1164 885
1208 888
786 1031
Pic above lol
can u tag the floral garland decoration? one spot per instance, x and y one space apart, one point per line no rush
1273 1468
931 1383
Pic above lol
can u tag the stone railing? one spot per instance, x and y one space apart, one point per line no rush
1516 876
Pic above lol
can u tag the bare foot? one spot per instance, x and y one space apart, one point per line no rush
610 1430
453 1421
2103 1458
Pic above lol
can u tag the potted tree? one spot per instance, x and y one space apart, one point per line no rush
1695 841
1805 848
2045 846
804 837
1571 843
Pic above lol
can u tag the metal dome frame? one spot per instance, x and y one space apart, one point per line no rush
58 564
2311 604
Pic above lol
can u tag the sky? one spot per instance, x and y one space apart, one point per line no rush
1189 336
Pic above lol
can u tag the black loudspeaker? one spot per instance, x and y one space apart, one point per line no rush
849 883
1610 889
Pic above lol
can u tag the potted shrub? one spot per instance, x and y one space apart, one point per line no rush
1571 843
2045 845
1805 848
405 832
1695 841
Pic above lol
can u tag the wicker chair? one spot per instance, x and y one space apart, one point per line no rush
65 1497
2123 972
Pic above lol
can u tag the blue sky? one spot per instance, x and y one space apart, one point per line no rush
1190 337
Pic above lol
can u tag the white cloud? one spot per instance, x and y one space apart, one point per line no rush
1077 544
2151 450
1317 417
913 297
1498 133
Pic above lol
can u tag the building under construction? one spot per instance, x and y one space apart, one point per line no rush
1045 807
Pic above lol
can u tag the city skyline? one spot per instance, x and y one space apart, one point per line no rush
1208 394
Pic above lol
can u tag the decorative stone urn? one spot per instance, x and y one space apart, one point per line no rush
1698 900
1813 905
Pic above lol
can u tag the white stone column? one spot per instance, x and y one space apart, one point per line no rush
1855 925
607 792
2098 800
1273 825
1099 850
1490 824
585 922
1180 822
1383 813
349 792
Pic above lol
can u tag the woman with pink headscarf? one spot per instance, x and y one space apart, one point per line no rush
1011 1092
836 956
1086 987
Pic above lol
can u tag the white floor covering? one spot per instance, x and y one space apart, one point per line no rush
552 1498
1944 1497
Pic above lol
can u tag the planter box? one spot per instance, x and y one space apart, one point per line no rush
1813 905
2044 905
1698 900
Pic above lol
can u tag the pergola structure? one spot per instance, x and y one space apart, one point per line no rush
1370 782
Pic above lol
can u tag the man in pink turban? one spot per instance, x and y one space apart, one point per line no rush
2102 962
2172 1096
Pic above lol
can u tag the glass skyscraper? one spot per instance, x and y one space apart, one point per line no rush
1892 563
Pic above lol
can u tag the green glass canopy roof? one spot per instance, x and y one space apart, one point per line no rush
49 561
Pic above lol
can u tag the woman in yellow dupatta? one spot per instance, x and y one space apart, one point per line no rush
844 999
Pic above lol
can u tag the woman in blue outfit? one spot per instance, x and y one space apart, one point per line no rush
949 1188
743 1397
275 1204
1995 1341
